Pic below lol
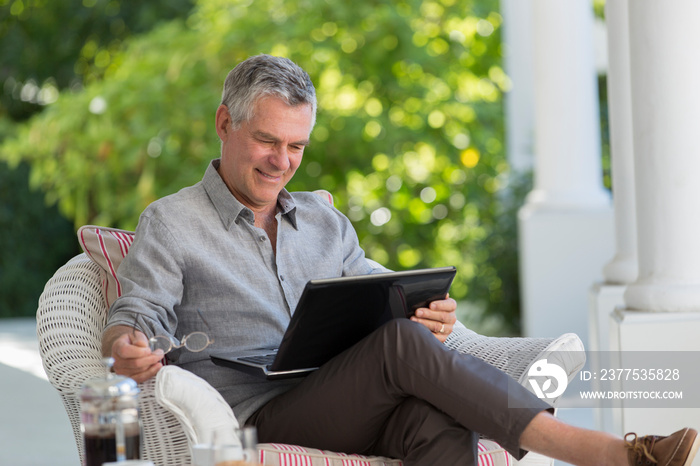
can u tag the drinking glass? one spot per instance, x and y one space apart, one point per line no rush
245 454
229 455
249 442
203 454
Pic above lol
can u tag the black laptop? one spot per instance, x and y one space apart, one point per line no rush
334 314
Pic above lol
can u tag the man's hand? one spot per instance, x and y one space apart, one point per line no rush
132 355
439 317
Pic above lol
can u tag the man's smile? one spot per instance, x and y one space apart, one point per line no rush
268 176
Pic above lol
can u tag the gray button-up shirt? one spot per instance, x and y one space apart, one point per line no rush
199 249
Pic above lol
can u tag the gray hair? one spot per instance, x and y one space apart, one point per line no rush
266 75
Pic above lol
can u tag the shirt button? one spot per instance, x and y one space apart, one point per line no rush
262 238
282 277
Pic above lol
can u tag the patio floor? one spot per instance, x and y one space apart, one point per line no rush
34 427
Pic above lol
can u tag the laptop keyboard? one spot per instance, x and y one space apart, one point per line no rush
262 360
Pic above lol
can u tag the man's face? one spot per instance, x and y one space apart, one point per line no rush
260 157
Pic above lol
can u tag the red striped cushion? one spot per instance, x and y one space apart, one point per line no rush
325 194
276 454
107 247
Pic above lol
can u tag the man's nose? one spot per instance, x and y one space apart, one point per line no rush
280 158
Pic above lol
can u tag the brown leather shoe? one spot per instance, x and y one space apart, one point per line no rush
678 449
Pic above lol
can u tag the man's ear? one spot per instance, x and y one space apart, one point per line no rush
223 122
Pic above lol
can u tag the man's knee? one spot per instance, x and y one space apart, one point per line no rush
409 339
397 327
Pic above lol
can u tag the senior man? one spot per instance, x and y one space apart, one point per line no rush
236 249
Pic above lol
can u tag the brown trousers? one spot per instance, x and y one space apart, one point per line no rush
400 393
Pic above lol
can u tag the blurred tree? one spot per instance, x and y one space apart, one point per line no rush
35 242
51 45
47 46
409 133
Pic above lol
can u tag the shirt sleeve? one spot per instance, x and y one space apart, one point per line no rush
151 276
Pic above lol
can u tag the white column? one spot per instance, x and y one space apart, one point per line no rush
566 226
666 93
519 100
663 304
622 269
567 136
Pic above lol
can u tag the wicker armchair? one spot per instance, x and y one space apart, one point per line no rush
72 313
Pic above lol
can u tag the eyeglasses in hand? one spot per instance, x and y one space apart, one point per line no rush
195 341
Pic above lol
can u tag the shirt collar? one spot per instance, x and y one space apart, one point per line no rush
230 209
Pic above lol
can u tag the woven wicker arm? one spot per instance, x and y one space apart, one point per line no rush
70 319
72 314
514 356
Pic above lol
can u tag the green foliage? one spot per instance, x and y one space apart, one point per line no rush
599 8
604 114
35 242
47 45
409 133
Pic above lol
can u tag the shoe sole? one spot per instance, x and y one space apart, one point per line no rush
693 451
